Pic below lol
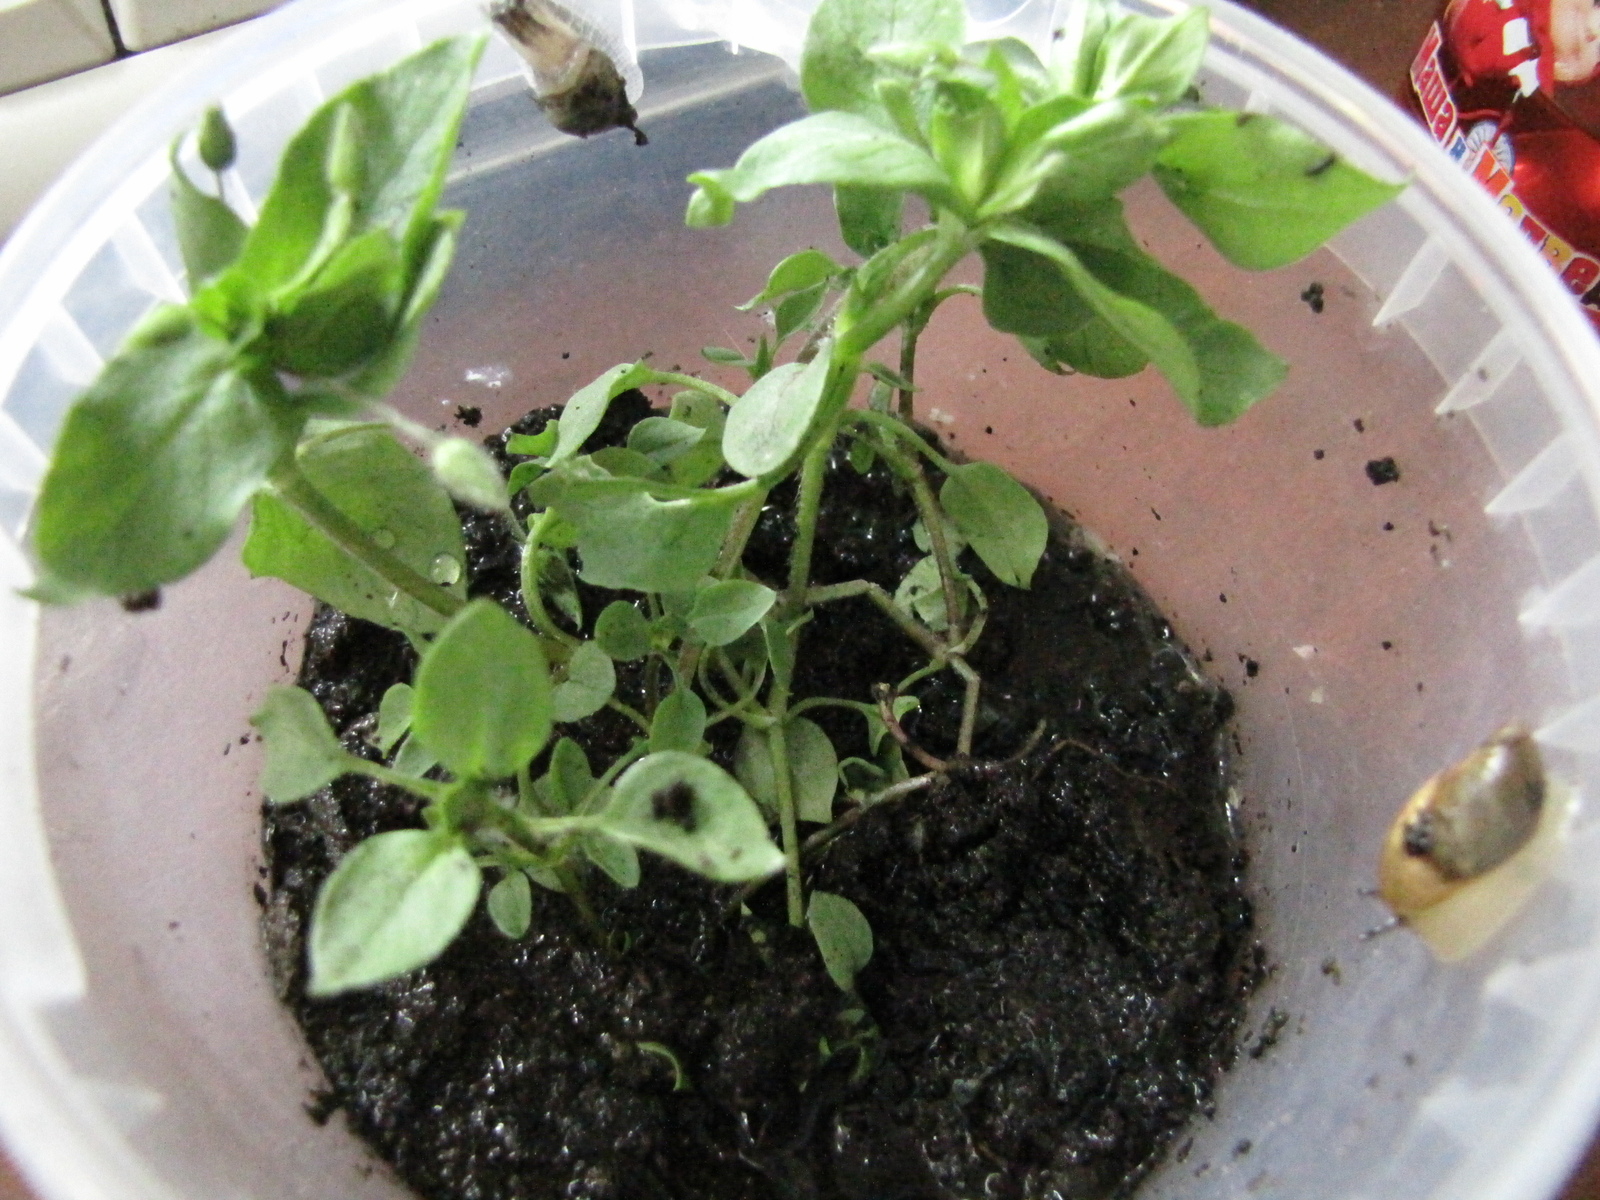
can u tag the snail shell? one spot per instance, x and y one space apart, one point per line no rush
575 82
1463 822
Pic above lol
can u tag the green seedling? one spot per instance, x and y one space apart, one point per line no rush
264 392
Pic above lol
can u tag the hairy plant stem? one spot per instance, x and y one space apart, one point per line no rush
744 522
777 740
295 490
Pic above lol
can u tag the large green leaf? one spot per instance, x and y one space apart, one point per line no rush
155 461
629 539
1265 193
1137 322
391 905
827 147
835 72
691 811
769 425
482 700
1000 519
392 497
303 755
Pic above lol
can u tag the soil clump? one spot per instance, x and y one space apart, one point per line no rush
1063 946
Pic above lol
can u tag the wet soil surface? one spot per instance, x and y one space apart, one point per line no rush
1063 947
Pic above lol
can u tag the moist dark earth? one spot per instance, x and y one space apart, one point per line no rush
1063 945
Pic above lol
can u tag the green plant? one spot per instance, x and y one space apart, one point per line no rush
265 389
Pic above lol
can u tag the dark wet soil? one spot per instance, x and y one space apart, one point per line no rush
1062 946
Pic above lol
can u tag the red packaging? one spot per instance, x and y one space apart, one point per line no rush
1511 89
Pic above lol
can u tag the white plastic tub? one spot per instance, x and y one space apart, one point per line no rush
144 1053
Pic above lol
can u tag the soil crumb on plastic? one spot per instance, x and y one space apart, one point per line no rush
1063 947
1382 471
1314 296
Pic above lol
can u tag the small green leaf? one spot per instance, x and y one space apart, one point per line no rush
752 767
814 767
510 905
156 460
795 311
835 69
383 489
470 475
414 759
522 475
799 272
1000 519
391 905
921 594
546 573
826 147
210 234
768 427
877 730
589 683
721 354
679 722
843 937
536 445
622 631
569 778
303 755
394 716
1153 58
691 811
623 463
1263 192
663 440
724 610
619 860
482 699
869 218
584 412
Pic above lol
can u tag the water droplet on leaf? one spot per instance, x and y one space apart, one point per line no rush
444 570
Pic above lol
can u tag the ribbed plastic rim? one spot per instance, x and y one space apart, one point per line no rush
70 1152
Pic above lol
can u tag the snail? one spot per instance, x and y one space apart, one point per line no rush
1468 847
575 82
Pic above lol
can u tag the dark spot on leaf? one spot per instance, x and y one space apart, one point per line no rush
1244 119
675 803
138 602
1322 167
469 415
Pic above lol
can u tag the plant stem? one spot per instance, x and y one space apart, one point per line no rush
777 740
930 642
295 490
629 711
428 789
532 594
745 518
808 505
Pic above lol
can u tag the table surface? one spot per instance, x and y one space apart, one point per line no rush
1375 39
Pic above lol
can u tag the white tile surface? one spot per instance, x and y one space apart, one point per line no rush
41 39
147 23
43 128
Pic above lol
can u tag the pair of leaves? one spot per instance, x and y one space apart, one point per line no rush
481 703
813 768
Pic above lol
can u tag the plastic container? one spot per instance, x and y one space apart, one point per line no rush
144 1052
